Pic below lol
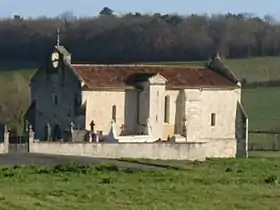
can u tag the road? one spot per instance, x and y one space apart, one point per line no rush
42 159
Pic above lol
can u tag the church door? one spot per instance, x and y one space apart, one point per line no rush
56 132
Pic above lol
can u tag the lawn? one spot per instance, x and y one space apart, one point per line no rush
253 69
214 184
262 106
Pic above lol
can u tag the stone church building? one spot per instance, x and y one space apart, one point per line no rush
196 104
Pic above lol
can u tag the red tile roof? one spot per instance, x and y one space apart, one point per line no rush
99 76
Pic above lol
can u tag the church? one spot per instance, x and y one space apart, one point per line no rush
193 104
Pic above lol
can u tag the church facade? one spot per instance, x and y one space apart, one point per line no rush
197 104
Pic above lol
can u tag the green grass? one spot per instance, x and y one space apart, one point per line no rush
214 184
253 69
262 106
11 74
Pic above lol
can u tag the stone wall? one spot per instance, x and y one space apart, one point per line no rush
4 145
165 151
211 148
224 148
3 148
172 151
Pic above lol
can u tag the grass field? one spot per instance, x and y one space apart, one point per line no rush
253 69
211 185
262 105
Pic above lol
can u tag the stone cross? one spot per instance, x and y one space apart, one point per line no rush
148 127
30 134
30 128
122 129
113 132
90 137
72 126
49 131
97 137
92 124
185 127
26 125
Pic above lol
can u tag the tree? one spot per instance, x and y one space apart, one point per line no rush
135 37
106 11
17 17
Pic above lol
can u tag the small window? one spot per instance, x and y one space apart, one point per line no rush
167 109
114 113
213 119
55 99
69 112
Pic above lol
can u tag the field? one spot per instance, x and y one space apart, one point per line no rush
253 69
214 184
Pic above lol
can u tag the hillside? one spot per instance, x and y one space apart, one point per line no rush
253 69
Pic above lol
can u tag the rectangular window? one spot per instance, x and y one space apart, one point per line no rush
55 99
213 119
114 113
166 109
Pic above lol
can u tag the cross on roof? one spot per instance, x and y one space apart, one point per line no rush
59 32
58 37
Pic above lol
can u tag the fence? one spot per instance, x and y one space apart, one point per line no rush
264 140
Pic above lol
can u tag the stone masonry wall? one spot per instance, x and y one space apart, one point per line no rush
172 151
186 151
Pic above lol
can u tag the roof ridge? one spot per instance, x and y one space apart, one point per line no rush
139 65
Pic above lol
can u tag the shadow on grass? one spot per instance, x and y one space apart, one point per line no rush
158 163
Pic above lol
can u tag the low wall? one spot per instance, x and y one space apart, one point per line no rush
137 139
216 148
4 145
221 148
225 148
165 151
3 148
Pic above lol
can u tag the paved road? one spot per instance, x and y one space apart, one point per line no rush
42 159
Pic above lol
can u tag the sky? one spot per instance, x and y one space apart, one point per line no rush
51 8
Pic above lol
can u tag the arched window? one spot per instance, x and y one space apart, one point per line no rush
167 109
114 113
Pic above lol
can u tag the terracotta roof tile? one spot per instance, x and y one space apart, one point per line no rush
96 76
